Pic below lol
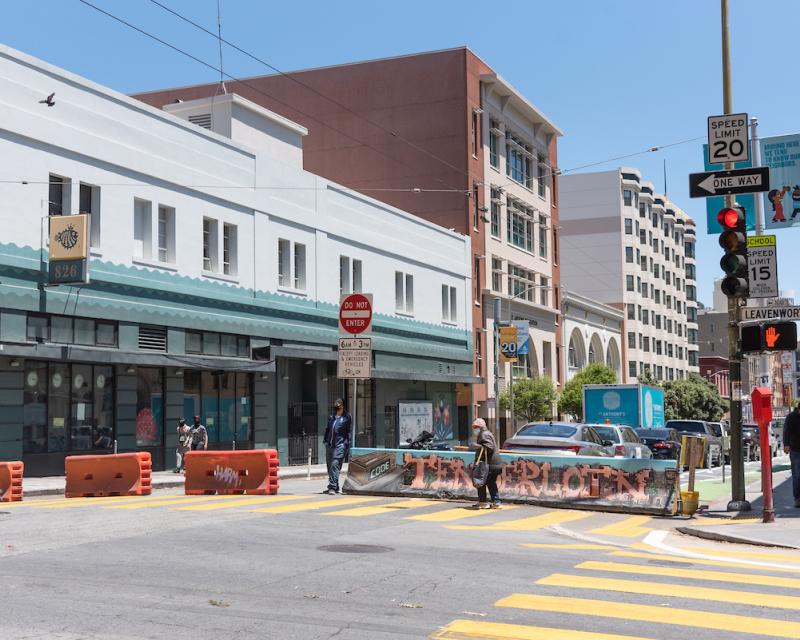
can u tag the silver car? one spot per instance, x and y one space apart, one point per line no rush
563 438
622 440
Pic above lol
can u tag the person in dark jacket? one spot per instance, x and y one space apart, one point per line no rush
791 445
487 450
337 444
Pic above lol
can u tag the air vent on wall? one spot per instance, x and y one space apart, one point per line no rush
201 120
152 338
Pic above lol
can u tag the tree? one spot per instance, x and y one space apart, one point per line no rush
693 398
571 400
649 379
533 398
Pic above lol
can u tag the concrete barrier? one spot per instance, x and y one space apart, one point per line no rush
120 474
253 471
11 481
604 484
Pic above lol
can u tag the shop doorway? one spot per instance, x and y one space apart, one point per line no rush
303 433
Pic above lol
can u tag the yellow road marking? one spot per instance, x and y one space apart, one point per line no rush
692 574
753 555
714 522
714 563
455 513
463 629
597 547
174 500
392 507
68 503
749 598
307 506
627 528
240 502
651 614
534 523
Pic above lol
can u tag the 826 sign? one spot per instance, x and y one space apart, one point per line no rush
67 272
727 138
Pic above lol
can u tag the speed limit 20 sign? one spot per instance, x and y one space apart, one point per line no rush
762 266
728 139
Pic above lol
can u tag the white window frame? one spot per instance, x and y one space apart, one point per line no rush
142 229
230 249
210 245
350 275
165 243
93 211
404 293
449 304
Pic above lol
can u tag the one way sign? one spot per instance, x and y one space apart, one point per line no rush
723 183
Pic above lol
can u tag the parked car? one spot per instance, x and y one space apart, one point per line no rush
621 440
720 430
664 444
751 441
704 430
557 437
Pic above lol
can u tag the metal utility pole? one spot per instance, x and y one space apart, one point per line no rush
496 328
738 502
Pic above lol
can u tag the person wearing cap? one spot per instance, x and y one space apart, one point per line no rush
337 443
486 450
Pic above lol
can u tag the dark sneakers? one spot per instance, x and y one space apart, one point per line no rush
330 492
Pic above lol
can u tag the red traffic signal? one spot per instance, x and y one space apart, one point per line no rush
729 218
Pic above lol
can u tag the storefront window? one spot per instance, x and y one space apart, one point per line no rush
34 412
82 410
58 407
222 400
103 419
210 404
149 407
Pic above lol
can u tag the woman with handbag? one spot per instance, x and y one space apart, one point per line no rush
487 466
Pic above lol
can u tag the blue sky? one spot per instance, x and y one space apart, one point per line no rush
618 76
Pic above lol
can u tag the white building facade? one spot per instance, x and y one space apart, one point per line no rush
217 265
593 333
633 249
518 222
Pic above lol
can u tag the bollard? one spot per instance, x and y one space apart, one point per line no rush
234 445
115 447
308 474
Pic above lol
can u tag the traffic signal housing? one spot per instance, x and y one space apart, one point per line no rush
771 336
733 240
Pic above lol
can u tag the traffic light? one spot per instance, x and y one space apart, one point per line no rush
772 336
734 263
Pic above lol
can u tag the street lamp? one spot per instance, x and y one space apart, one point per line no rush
510 299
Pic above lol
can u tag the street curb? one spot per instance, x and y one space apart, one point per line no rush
290 474
732 539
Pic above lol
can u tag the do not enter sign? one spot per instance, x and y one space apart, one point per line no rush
355 313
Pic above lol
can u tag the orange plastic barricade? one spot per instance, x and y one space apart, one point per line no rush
232 472
11 481
120 474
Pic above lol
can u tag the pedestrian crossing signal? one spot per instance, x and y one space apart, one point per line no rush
774 336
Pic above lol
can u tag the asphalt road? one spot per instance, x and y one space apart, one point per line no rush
196 568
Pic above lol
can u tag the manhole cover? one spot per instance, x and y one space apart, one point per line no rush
355 548
669 563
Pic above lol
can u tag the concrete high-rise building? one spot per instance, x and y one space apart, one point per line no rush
443 136
630 247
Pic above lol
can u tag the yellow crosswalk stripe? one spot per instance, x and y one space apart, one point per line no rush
392 507
627 528
174 500
691 574
534 523
456 513
463 629
240 502
320 504
588 546
749 598
713 563
750 555
68 503
705 620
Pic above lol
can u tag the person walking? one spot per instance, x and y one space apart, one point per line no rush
791 445
183 445
199 436
337 444
486 446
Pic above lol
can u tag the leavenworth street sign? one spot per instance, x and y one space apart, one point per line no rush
750 314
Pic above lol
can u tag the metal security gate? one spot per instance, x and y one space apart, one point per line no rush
303 434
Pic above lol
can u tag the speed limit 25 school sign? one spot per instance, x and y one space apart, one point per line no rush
762 266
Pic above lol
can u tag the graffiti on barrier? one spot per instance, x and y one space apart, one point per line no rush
646 485
226 476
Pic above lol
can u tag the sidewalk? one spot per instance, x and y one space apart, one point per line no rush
54 485
746 527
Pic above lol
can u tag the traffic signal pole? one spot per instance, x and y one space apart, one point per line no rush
738 501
